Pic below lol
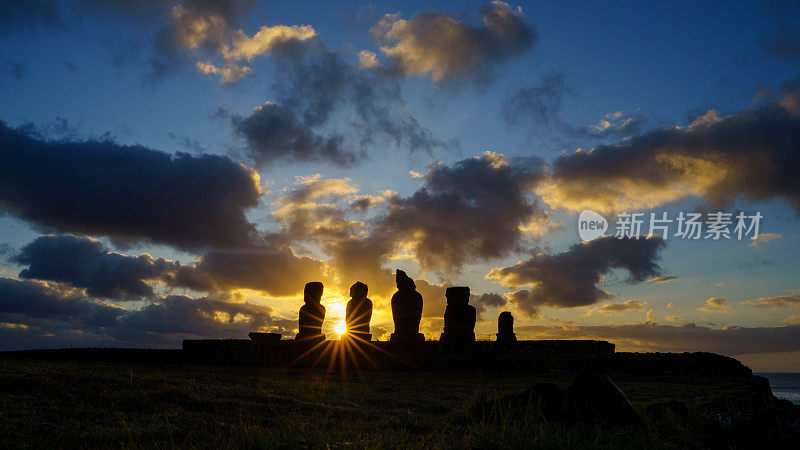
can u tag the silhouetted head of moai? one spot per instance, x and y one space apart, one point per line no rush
358 290
505 323
313 292
404 282
457 295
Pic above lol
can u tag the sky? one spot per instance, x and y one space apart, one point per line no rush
180 169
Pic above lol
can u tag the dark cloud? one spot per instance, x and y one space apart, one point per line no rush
732 340
438 45
483 302
39 300
86 263
570 278
272 133
540 107
322 84
128 193
748 156
474 210
16 69
36 314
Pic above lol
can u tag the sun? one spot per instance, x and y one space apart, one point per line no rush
340 328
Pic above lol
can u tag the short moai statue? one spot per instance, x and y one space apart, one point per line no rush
312 313
406 311
505 328
459 316
358 312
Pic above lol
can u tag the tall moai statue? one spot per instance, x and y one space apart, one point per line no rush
459 316
406 310
312 313
358 312
505 328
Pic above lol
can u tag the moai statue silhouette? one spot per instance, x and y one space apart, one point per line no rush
505 328
406 311
312 313
358 312
459 316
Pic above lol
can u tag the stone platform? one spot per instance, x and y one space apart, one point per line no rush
427 355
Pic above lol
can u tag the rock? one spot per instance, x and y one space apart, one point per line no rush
594 397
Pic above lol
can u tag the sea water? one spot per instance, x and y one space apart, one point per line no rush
784 385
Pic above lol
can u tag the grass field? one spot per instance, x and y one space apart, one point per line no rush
72 404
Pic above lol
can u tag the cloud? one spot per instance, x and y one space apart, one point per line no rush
86 263
765 237
732 340
367 60
40 314
483 302
791 300
614 124
273 133
714 304
16 69
42 300
129 193
792 320
322 83
614 308
650 317
426 226
539 105
570 278
744 156
440 46
664 279
540 108
274 271
497 209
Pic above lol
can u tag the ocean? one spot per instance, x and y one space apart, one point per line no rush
784 385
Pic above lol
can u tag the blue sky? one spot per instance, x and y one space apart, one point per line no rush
660 64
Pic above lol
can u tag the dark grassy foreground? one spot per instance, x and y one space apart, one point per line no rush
74 404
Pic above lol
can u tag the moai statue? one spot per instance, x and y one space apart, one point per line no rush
459 316
358 312
505 328
312 313
406 311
